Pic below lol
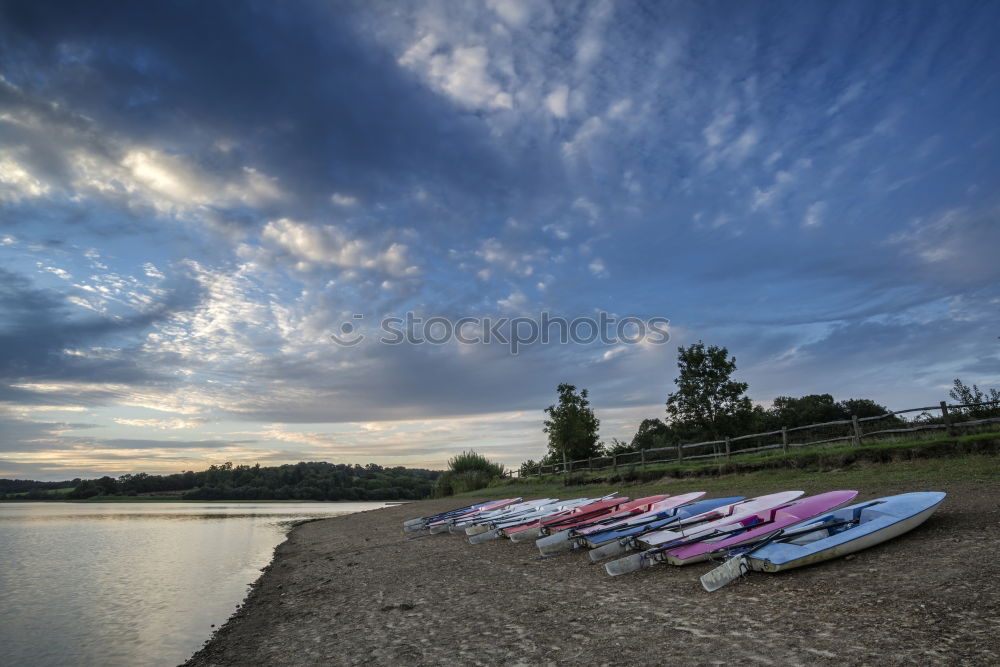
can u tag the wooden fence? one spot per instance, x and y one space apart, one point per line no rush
784 439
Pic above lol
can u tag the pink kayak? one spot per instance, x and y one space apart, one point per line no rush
766 523
572 537
496 504
669 503
720 516
623 511
746 528
531 529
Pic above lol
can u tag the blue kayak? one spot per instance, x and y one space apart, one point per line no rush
850 529
829 535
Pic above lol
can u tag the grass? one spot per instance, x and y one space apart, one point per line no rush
926 463
916 475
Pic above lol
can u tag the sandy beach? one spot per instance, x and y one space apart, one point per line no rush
358 590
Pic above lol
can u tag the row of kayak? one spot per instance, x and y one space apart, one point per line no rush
769 533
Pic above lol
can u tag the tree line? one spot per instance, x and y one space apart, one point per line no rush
299 481
710 405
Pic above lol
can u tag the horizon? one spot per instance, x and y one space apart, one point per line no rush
207 214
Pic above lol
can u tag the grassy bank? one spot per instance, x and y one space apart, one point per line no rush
913 465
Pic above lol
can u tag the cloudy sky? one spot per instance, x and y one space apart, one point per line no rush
194 196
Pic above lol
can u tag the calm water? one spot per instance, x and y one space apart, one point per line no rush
131 583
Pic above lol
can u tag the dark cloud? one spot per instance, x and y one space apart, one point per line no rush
306 96
38 327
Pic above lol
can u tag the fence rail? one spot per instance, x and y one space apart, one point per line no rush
724 449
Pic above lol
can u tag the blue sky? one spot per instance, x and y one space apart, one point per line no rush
194 196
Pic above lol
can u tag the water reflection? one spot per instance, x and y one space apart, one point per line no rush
131 583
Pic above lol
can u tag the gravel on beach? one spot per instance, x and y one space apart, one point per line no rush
358 590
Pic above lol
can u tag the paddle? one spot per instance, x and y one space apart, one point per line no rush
640 560
623 544
737 564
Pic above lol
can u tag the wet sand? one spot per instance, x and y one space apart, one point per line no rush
357 590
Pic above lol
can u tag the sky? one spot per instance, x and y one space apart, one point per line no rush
195 196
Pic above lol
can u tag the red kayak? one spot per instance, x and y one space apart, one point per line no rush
623 511
530 530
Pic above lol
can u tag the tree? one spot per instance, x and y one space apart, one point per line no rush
572 426
707 398
652 433
810 409
964 395
864 407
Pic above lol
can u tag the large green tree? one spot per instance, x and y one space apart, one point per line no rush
571 426
707 399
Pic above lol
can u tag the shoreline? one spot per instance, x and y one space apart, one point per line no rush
356 590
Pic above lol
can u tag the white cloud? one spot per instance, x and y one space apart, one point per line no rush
16 180
590 43
814 215
343 200
514 303
958 245
556 101
162 424
782 181
59 273
518 262
461 73
151 271
328 245
716 131
591 129
514 13
597 268
849 94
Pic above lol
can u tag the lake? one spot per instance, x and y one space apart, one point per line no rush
131 583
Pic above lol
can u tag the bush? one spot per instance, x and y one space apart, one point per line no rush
467 471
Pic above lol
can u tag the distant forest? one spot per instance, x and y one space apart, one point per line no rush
300 481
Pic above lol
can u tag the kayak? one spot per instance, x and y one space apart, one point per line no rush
655 509
620 513
413 525
580 515
613 541
484 523
497 527
441 525
700 523
838 533
747 528
461 523
575 536
530 530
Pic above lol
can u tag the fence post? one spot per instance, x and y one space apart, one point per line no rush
614 462
565 469
784 439
727 447
642 458
947 419
857 430
539 468
680 454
